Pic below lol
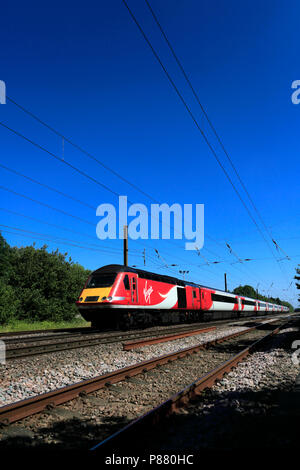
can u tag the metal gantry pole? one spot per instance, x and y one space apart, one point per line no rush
125 245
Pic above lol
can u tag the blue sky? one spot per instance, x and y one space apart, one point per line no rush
85 69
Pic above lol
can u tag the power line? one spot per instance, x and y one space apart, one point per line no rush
48 205
196 96
53 240
53 208
65 162
4 188
198 126
88 154
62 228
79 148
58 158
46 186
75 146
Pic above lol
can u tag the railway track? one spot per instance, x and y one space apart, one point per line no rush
102 390
85 333
40 335
66 340
69 343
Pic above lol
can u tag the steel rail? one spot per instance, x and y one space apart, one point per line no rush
24 408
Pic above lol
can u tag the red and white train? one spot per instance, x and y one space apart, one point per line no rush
123 297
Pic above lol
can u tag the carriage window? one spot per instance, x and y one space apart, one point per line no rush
126 282
194 294
223 298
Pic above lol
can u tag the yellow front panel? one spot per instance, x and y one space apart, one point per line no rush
98 291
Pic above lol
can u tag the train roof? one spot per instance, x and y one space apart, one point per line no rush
119 268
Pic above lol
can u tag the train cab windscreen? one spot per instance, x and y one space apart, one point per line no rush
101 280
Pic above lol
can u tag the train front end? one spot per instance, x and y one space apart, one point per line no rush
98 297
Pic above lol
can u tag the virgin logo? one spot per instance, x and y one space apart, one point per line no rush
147 293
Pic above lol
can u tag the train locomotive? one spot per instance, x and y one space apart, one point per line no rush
117 296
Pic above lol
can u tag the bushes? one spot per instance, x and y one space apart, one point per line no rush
9 304
36 285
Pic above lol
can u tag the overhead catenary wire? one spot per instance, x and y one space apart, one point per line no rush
63 161
58 158
55 237
64 243
61 135
196 96
47 223
50 188
84 174
4 188
199 128
63 228
70 215
49 207
81 149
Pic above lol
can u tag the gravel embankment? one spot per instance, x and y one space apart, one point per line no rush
24 378
251 407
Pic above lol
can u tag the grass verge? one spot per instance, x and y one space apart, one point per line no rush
43 325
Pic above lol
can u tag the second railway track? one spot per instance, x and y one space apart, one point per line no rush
93 339
18 347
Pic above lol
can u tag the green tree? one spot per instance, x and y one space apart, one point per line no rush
5 258
245 291
287 304
9 305
37 285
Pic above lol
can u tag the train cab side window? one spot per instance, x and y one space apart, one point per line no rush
194 294
133 284
126 282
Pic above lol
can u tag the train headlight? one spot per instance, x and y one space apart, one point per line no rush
81 299
103 298
109 298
